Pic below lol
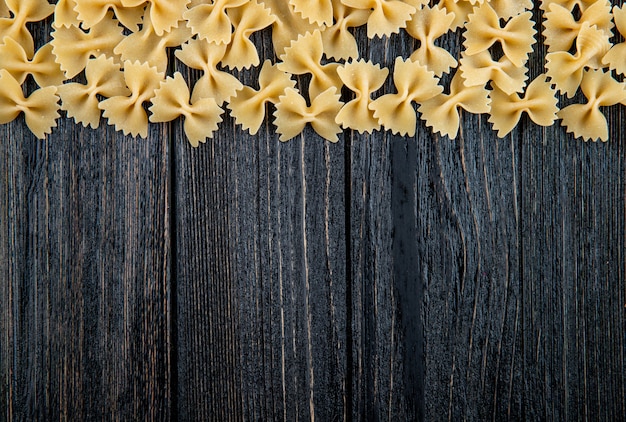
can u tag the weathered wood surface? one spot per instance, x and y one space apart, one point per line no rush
379 278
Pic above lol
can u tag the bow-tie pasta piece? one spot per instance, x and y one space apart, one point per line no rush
21 13
615 58
164 14
292 114
479 69
40 108
44 69
441 112
214 83
562 28
65 14
91 12
586 120
304 56
338 41
4 10
288 24
566 70
414 83
104 77
483 30
251 17
427 25
73 48
387 17
319 12
126 112
146 46
540 103
171 100
363 78
248 106
211 22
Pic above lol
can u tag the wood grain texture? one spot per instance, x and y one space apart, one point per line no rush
260 267
85 274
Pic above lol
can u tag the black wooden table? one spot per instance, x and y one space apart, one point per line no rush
379 278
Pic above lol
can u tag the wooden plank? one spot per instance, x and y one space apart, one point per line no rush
86 260
260 267
573 242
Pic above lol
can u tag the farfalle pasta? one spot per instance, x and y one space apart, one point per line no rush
304 56
414 83
105 78
40 108
292 114
117 59
171 100
586 120
126 112
22 12
362 78
483 30
427 25
539 102
615 58
566 69
248 106
441 112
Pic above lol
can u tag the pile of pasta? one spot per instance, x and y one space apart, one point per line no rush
112 59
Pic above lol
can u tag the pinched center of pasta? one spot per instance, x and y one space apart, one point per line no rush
122 49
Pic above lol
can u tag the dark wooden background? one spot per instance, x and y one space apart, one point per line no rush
381 278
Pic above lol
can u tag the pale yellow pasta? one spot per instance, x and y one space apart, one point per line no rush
483 30
23 12
65 15
164 14
288 24
363 78
427 25
539 102
562 28
4 10
338 42
615 58
414 83
441 112
40 108
480 68
508 8
248 106
211 22
241 53
126 112
214 83
304 56
146 46
292 114
586 120
44 69
319 12
104 77
73 47
91 12
387 17
459 8
171 100
566 70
